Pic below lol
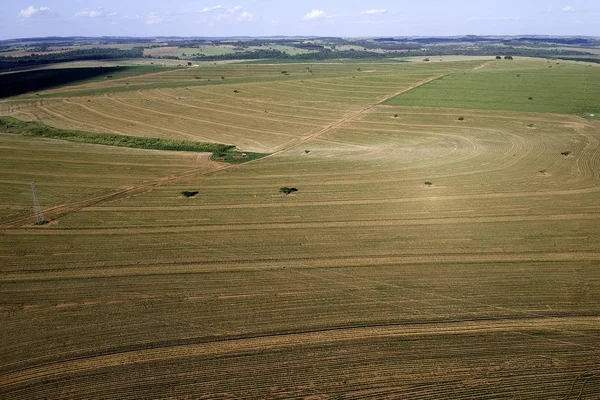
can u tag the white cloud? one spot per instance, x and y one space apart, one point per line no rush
220 13
153 19
95 13
227 10
314 14
374 11
32 11
213 8
246 17
567 9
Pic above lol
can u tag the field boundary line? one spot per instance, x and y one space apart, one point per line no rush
351 117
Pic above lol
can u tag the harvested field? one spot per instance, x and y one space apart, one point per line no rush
365 283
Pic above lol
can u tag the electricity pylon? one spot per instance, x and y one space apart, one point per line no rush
37 209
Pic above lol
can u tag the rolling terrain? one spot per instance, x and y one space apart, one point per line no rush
439 245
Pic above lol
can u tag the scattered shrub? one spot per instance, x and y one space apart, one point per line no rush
395 115
426 59
287 190
306 151
531 98
188 194
428 183
566 153
498 58
222 77
461 118
530 125
236 91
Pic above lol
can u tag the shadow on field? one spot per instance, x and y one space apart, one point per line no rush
13 84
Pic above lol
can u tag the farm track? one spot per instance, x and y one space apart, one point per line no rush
62 271
63 209
55 212
352 117
310 225
368 202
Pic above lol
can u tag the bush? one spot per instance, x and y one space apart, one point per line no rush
498 58
395 115
461 118
236 91
565 153
530 98
428 183
426 59
188 194
287 190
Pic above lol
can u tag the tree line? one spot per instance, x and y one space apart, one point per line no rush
71 55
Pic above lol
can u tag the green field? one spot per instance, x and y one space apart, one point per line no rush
421 257
538 87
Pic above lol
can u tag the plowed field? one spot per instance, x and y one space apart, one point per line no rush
422 257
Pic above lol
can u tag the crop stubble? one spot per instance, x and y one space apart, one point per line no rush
365 284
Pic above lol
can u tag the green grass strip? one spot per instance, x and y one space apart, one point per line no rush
221 152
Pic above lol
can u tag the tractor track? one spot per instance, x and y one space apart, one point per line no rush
211 346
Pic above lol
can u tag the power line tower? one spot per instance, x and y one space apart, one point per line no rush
37 209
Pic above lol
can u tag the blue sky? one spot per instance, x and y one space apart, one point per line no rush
27 18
